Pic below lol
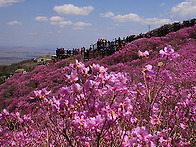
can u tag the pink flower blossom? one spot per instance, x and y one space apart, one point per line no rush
88 85
97 68
5 112
143 54
91 123
41 93
64 91
73 77
76 88
166 75
183 126
168 51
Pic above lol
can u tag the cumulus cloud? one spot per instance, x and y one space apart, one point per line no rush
107 15
56 18
155 21
82 24
128 17
6 3
61 23
184 9
14 23
132 17
41 18
71 9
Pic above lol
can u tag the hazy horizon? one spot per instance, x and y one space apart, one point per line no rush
9 55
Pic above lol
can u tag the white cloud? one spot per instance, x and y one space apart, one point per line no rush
64 23
14 23
71 9
41 18
128 17
6 3
107 15
186 9
82 24
56 18
155 21
132 17
61 23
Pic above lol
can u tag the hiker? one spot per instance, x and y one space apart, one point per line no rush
102 52
82 50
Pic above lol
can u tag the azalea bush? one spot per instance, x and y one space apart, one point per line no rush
17 89
143 95
100 108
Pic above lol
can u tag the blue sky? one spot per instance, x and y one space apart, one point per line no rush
77 23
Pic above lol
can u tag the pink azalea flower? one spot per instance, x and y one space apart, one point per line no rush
86 70
163 142
87 144
41 93
77 65
88 85
166 75
143 54
140 132
99 120
168 51
63 104
73 77
5 112
64 91
153 120
133 119
148 67
149 71
17 114
126 142
97 68
141 89
183 126
91 123
76 87
13 143
152 144
155 108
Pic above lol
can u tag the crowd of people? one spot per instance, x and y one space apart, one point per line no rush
106 47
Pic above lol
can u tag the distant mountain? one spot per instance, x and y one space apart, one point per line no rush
9 55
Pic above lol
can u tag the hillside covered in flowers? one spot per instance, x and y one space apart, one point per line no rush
143 95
